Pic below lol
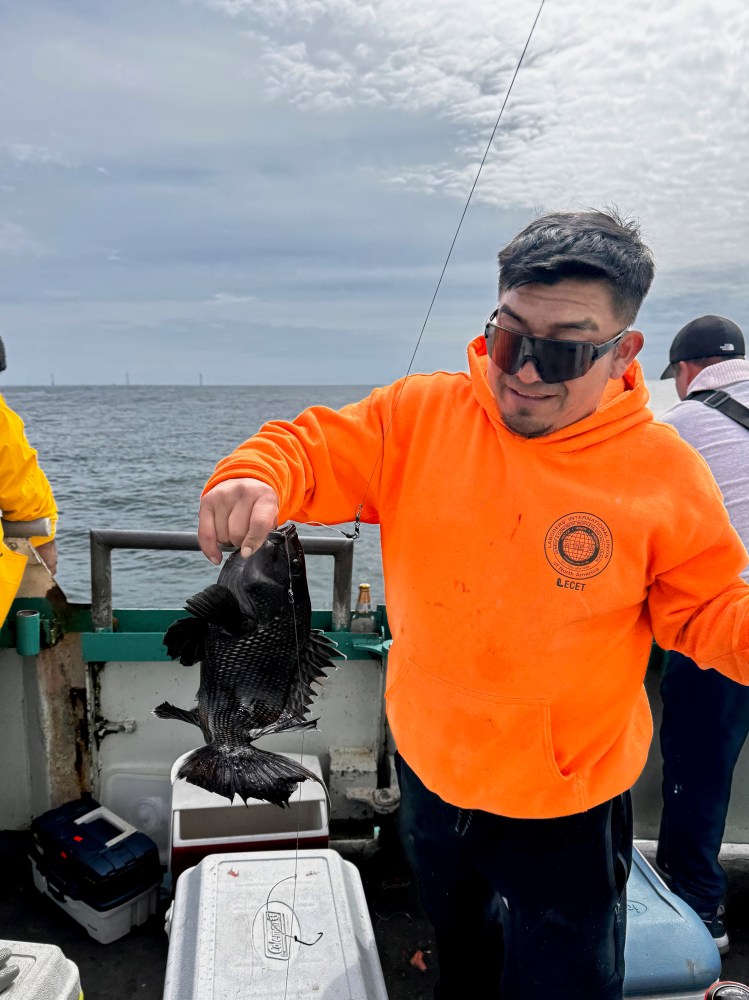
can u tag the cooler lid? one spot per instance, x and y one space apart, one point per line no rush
236 919
45 973
668 949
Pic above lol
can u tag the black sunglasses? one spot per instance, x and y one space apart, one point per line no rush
555 360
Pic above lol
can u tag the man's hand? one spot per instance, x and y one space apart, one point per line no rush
239 512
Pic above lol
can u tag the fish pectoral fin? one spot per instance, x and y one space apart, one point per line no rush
185 640
168 711
286 723
218 606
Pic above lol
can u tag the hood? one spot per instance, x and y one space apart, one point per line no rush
622 406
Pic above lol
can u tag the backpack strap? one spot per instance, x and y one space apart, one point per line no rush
720 400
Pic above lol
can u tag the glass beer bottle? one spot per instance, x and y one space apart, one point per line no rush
363 618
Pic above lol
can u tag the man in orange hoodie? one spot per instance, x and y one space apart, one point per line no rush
515 679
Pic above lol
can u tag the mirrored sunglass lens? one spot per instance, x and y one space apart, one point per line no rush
563 361
555 360
507 351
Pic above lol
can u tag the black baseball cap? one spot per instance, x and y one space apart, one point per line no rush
705 337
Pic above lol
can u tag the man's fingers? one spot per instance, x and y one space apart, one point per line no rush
207 536
264 519
240 512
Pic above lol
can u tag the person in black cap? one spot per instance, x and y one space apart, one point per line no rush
702 343
707 361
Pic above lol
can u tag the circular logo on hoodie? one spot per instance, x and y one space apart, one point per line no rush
579 545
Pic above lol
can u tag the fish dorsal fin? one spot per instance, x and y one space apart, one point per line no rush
218 606
315 659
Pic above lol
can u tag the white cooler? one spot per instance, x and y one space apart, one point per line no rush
45 973
234 920
204 823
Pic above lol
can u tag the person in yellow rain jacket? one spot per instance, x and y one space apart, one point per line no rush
25 495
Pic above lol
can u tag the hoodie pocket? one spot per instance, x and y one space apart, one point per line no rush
497 749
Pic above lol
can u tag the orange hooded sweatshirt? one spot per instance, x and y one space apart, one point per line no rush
525 577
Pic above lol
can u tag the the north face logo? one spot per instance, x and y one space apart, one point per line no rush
727 347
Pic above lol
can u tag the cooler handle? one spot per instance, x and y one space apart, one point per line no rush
54 891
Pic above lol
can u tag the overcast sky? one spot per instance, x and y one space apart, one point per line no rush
264 191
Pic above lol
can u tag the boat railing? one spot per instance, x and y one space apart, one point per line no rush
41 526
103 541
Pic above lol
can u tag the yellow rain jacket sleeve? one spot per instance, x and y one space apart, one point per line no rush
25 495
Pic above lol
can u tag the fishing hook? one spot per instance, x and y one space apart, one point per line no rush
268 901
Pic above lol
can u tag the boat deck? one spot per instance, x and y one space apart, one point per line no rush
134 967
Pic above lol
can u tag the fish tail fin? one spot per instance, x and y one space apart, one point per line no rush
246 771
185 640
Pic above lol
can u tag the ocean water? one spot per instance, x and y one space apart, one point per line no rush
138 456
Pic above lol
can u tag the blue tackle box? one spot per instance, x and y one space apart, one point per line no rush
669 953
99 869
86 853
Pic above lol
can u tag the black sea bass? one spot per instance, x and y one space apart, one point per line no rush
259 658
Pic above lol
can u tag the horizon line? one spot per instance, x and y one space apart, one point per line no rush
178 385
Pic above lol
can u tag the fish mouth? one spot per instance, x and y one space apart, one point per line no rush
278 535
261 581
266 575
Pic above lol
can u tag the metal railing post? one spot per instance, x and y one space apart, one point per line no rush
101 583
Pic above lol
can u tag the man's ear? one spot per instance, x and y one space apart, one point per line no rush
626 351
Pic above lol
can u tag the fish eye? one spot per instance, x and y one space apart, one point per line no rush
296 566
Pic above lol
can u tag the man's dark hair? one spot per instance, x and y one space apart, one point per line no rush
585 245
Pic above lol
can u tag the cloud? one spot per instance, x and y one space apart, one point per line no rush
229 299
16 242
181 174
645 106
28 155
60 294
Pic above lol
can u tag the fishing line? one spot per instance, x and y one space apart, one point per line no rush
357 518
301 753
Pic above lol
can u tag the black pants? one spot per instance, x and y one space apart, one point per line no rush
705 724
522 909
